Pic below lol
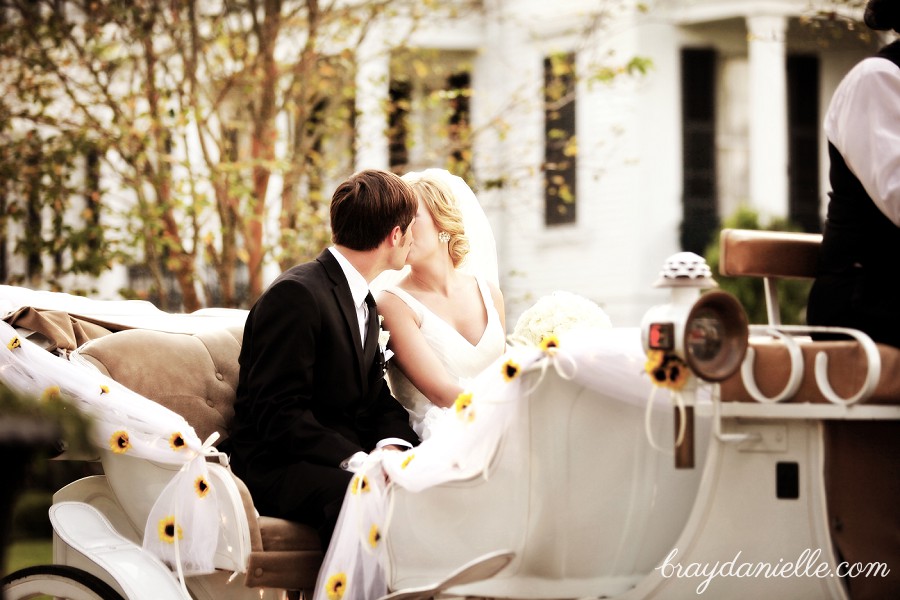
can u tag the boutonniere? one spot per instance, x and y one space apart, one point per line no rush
383 336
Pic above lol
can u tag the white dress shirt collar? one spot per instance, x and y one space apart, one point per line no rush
359 288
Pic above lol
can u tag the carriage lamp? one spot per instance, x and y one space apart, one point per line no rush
707 331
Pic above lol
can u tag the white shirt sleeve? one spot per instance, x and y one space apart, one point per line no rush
863 123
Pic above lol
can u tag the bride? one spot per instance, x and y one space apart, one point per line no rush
445 316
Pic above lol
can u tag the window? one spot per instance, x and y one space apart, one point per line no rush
560 145
398 125
803 142
698 117
429 114
459 88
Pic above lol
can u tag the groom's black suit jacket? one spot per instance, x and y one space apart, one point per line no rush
308 395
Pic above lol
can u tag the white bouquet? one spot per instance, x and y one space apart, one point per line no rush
556 314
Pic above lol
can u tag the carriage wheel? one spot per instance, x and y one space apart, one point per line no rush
56 581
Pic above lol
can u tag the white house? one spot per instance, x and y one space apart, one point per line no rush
728 114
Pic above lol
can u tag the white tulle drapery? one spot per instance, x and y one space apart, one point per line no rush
182 528
464 441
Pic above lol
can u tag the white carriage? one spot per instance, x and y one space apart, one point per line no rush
783 483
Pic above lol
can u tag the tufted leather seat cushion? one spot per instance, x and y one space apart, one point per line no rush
193 375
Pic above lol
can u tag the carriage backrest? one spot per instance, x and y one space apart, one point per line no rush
194 375
771 255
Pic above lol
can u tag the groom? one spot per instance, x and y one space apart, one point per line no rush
311 391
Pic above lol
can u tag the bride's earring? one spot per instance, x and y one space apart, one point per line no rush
444 237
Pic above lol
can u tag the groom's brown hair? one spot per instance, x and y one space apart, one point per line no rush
366 207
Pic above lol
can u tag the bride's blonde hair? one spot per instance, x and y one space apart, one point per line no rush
444 210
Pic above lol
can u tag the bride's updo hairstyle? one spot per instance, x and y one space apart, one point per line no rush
444 211
883 15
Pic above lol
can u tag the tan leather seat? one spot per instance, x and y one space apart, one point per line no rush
847 368
196 376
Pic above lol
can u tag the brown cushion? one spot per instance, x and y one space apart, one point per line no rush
768 253
55 330
280 535
193 375
847 368
284 570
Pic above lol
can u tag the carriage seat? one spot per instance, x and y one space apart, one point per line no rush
196 376
774 255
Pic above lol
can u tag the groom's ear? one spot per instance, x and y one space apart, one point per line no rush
395 236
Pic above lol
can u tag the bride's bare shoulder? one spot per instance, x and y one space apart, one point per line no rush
392 307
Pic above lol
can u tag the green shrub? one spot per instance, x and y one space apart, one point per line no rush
30 520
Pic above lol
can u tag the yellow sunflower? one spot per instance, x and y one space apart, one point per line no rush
119 442
51 393
201 487
463 406
666 370
655 360
406 461
374 536
104 389
176 441
510 370
337 583
678 374
168 530
359 485
549 343
14 343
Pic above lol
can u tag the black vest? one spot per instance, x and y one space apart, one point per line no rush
858 280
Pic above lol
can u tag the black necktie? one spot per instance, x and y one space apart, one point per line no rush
372 330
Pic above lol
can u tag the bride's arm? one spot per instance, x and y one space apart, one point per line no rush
412 353
497 297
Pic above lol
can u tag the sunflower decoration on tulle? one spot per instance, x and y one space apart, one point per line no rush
14 343
549 344
119 442
359 485
104 389
511 370
463 407
176 441
666 370
51 394
374 536
407 460
201 487
336 586
168 529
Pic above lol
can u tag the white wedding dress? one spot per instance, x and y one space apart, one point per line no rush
462 360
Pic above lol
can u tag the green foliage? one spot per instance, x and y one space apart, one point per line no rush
750 291
29 518
28 553
53 417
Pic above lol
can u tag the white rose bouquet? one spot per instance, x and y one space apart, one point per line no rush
558 313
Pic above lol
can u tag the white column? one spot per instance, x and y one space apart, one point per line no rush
372 97
768 116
